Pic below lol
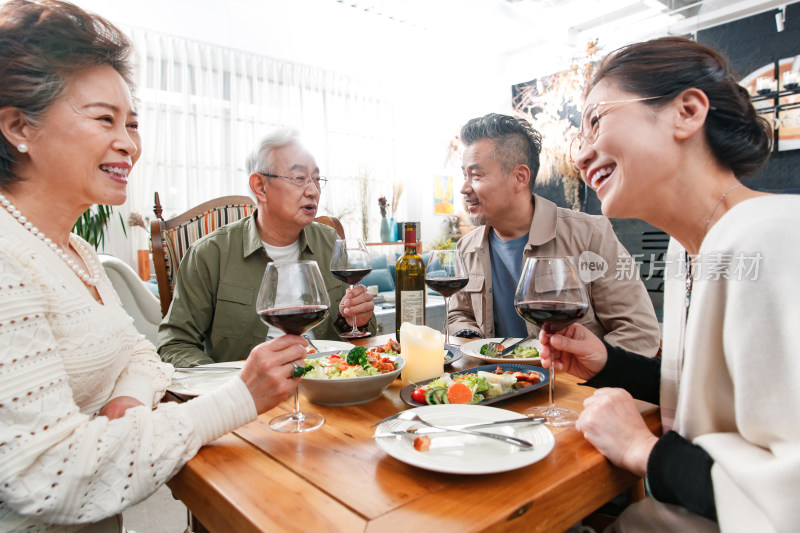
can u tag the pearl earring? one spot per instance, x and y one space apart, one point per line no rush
22 147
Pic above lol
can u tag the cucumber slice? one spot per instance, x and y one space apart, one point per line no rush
441 396
435 396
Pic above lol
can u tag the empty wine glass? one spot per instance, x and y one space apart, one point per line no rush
294 299
446 274
551 295
351 263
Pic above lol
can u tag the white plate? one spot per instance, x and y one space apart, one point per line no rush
455 453
326 346
195 383
200 382
473 349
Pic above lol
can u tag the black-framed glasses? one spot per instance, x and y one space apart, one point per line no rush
590 125
300 181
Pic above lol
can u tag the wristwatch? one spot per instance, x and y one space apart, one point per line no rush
468 334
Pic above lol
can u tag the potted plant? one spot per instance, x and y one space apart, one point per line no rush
91 226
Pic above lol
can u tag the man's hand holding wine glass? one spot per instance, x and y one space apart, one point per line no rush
268 370
357 302
575 350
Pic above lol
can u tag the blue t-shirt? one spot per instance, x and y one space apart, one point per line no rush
506 259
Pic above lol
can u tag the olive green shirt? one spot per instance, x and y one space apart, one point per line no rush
213 313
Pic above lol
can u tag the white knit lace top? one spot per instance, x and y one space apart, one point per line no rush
63 356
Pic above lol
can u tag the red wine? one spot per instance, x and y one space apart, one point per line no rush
446 286
351 276
551 316
294 320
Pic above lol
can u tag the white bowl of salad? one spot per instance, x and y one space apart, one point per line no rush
349 378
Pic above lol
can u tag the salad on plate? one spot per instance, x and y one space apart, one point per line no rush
473 387
358 362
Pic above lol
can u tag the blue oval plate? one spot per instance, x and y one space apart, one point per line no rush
453 354
544 379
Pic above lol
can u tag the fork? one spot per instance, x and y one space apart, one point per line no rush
413 417
514 422
494 348
311 343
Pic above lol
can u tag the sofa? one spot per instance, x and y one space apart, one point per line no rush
137 299
383 274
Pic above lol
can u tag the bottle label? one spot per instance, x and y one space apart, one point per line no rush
412 307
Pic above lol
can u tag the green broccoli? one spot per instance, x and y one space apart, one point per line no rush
358 356
483 349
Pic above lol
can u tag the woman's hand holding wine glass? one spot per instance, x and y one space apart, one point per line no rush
551 295
575 350
294 299
266 371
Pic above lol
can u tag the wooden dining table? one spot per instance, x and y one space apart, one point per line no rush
337 479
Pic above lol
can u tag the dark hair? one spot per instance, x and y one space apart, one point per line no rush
43 44
516 142
740 139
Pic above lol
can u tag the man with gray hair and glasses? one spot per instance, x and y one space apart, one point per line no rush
213 317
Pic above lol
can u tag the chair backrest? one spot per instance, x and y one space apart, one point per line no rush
137 300
174 236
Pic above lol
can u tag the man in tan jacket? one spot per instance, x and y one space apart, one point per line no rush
500 163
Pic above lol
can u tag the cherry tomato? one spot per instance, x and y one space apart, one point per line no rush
418 395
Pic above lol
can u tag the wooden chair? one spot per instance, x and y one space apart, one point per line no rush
173 237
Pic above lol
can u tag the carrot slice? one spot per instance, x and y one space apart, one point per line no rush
459 393
422 444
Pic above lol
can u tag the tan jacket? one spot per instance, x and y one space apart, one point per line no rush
620 310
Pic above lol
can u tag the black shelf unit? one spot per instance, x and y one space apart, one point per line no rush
777 107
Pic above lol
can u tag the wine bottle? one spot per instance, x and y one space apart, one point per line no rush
410 284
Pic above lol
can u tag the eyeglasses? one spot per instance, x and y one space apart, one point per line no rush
300 181
590 126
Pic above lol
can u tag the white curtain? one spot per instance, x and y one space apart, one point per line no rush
202 109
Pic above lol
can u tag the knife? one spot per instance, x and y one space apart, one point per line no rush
508 349
206 368
528 420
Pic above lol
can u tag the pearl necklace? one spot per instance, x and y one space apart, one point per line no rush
91 278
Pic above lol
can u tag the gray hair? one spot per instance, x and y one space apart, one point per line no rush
260 160
515 140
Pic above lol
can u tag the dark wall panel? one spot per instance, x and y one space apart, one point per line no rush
749 44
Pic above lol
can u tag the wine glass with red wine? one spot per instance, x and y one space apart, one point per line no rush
551 295
447 274
351 263
294 299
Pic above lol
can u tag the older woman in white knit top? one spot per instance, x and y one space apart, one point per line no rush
79 438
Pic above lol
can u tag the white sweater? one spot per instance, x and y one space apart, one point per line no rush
63 356
738 395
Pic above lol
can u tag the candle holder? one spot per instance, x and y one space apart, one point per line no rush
791 80
765 85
